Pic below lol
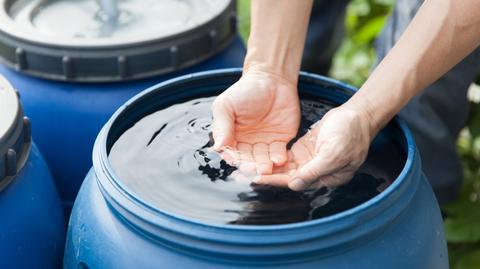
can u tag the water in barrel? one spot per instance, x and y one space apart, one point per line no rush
165 159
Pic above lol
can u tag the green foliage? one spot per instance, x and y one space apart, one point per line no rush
474 121
364 21
352 63
462 222
464 256
243 8
470 260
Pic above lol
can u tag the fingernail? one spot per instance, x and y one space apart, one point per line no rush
275 160
264 169
297 184
257 179
228 157
247 168
278 161
216 147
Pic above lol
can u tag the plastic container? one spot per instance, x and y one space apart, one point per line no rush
71 86
32 228
112 227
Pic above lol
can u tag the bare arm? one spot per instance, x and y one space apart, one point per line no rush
277 36
260 114
442 33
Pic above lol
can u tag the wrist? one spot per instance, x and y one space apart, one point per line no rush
265 72
272 69
274 57
365 116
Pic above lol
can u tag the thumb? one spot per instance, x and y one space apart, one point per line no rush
223 125
311 172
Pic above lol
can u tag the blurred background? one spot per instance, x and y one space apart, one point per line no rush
352 62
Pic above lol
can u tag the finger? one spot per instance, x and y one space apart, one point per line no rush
245 152
315 135
312 171
223 125
310 141
300 153
279 180
247 163
288 168
230 156
240 178
262 158
291 157
278 153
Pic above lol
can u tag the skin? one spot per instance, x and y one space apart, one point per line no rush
260 114
442 33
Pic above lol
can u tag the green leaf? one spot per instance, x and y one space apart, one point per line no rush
367 33
462 230
462 223
470 260
385 2
359 8
243 7
351 22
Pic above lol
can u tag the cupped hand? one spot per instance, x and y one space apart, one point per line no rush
328 155
256 118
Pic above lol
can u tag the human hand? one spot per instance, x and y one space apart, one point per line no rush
328 155
256 118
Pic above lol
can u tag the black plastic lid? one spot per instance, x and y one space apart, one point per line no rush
15 135
86 59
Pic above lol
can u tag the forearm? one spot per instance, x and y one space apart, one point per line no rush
277 37
442 33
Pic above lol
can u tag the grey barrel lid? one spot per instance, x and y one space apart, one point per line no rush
15 135
74 40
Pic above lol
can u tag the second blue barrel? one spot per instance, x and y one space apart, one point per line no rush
75 63
128 216
32 228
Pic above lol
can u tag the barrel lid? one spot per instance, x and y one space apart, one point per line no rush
15 137
9 108
77 40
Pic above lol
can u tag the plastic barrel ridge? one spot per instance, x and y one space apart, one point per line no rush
32 229
399 228
70 86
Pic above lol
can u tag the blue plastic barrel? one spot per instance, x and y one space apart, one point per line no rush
112 227
32 228
71 89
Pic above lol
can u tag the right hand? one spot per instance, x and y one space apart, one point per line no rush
256 118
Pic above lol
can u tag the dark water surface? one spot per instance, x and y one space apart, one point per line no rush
164 159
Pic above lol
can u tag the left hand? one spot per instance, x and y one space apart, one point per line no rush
328 155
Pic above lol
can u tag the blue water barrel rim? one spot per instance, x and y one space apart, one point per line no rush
131 206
